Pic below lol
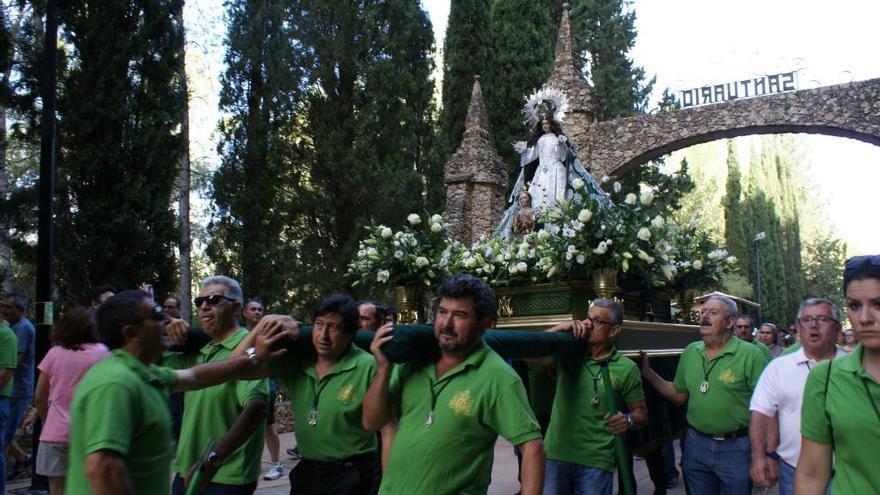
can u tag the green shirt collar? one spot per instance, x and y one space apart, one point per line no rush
472 361
144 371
853 363
229 343
730 347
347 362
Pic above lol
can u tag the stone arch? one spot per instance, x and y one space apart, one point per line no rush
847 110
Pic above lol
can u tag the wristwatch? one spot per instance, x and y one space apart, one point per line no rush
251 353
214 460
773 455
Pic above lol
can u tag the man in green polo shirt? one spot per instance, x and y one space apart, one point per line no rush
744 328
120 423
840 418
451 410
326 396
232 414
715 377
8 364
580 439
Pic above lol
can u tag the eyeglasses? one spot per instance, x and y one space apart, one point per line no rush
822 320
211 300
597 321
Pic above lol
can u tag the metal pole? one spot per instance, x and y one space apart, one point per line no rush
758 276
44 304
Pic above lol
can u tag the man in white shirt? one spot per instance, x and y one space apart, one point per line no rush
775 428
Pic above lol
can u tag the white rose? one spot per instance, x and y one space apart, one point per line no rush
413 219
605 179
631 199
422 262
585 215
543 235
730 259
580 259
644 234
647 196
436 218
625 265
602 248
577 184
436 227
383 276
668 271
698 265
398 254
386 233
658 222
617 187
512 268
522 266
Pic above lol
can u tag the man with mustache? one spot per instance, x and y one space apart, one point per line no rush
452 408
776 403
715 377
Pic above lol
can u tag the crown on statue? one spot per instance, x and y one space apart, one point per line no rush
548 103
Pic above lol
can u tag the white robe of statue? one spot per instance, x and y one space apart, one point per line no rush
548 184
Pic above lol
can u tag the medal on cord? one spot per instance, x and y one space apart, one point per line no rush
704 385
430 419
313 413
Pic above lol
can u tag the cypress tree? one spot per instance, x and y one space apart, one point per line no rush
260 93
465 54
120 145
522 58
736 238
604 33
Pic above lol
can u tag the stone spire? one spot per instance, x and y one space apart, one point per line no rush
475 176
583 107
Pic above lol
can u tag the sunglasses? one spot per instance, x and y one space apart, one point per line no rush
211 300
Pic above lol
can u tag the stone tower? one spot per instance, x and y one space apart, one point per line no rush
583 107
475 176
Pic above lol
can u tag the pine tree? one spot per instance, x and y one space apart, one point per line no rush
120 145
522 58
465 55
604 33
261 87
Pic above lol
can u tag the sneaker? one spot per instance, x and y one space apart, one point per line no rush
274 472
672 482
294 452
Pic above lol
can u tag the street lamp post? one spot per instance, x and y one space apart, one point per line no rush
760 236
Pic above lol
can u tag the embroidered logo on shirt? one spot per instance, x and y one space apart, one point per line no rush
462 403
346 393
727 376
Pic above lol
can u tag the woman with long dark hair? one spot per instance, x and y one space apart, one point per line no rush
76 350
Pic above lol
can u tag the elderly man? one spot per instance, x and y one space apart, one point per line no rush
744 327
580 438
715 377
119 420
452 409
776 403
232 414
371 315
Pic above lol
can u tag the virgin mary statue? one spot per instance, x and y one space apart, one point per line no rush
549 165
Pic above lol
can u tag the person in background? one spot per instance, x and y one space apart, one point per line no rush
99 294
76 349
768 335
744 328
14 306
8 363
171 305
849 340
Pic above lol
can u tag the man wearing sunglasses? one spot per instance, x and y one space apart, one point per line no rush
120 424
232 414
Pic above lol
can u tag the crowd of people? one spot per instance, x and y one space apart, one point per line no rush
803 417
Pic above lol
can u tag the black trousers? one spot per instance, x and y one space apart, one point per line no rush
359 475
177 488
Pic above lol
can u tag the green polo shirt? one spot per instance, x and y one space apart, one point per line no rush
763 348
209 413
121 405
339 433
854 425
732 375
8 355
578 431
475 402
792 348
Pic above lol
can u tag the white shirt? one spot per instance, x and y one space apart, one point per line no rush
780 390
